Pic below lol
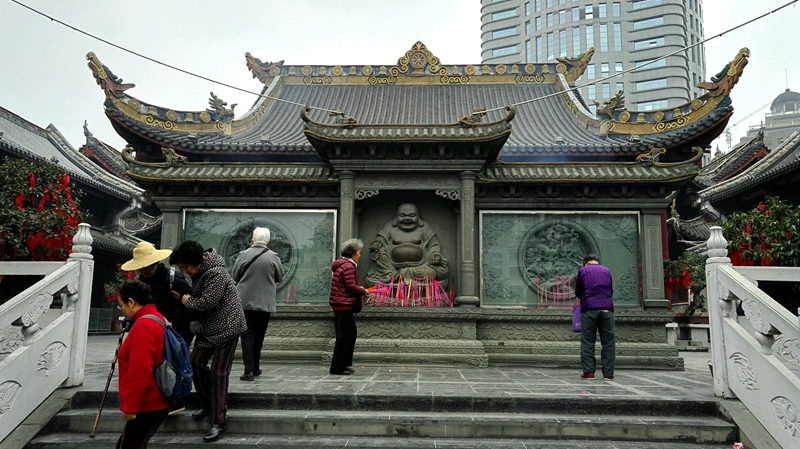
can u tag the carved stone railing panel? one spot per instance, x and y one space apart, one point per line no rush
760 368
51 355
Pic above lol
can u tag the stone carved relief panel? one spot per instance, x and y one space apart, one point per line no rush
410 330
10 339
36 309
787 414
8 394
531 258
788 351
550 255
51 357
295 235
744 371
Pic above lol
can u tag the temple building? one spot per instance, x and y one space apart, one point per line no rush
480 186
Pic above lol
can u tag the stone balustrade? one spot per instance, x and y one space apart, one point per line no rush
48 355
760 367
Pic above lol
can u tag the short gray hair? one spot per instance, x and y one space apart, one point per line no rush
351 247
261 235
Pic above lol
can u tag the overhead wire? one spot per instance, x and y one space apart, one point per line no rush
261 95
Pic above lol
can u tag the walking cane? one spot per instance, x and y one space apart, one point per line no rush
125 325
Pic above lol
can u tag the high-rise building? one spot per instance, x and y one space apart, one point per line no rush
624 33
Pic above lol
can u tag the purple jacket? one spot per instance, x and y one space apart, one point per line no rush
594 288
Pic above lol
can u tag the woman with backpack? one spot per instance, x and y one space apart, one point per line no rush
143 405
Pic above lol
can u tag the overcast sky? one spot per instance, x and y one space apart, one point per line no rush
44 77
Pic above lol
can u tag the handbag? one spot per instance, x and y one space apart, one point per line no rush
576 318
358 305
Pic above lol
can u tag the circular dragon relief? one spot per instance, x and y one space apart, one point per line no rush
281 241
550 255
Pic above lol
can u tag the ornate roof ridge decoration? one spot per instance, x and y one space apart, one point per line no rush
217 119
646 168
760 171
622 121
722 83
103 154
342 121
420 66
172 158
111 84
729 164
259 69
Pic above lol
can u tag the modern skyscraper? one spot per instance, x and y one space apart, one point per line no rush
624 34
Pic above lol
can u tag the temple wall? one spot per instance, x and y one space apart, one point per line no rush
514 324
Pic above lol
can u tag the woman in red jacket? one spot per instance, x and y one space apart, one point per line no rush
345 291
141 402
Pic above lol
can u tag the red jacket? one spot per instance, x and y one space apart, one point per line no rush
140 353
344 285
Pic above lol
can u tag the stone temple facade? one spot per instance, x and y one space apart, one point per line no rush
488 182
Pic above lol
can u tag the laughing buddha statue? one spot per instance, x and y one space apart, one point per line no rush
406 247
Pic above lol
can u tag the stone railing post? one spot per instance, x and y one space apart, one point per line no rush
79 300
719 309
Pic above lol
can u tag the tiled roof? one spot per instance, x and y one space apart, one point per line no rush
784 158
695 230
542 129
108 156
26 140
552 122
724 166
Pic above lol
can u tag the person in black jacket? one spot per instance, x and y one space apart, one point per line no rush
163 281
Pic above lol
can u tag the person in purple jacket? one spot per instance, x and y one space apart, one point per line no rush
595 289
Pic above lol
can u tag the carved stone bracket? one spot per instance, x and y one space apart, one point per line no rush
449 194
364 194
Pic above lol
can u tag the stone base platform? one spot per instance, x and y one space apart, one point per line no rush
466 336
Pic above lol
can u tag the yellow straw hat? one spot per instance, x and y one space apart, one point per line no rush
144 255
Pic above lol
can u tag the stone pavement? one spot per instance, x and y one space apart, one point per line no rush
693 384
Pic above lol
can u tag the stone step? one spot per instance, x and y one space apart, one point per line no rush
234 441
431 425
385 400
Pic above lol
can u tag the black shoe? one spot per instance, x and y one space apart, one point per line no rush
202 413
216 431
248 376
345 372
256 372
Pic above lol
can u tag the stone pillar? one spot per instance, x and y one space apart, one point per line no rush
346 206
171 230
653 263
720 308
467 286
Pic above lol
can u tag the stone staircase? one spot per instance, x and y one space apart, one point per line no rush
383 420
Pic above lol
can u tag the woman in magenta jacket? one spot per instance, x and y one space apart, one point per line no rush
140 400
345 291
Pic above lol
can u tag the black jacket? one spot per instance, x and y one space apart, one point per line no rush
168 305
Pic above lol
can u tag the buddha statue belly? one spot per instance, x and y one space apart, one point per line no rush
406 247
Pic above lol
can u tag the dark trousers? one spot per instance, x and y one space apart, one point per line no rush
344 322
137 432
593 321
253 339
212 384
